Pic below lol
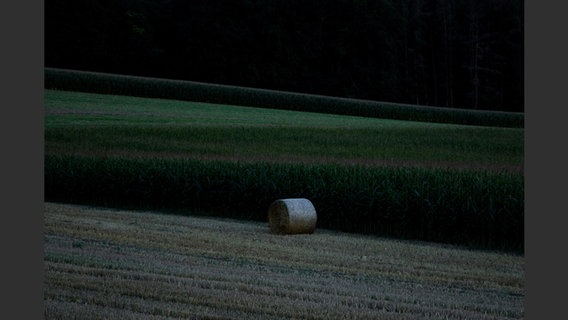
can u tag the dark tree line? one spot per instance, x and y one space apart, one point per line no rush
454 53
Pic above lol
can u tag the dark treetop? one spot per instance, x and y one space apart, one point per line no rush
449 53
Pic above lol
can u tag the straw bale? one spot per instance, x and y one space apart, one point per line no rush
292 216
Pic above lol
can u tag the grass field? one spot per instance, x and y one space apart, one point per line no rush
95 124
112 264
116 84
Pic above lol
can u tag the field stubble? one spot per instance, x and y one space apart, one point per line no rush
111 264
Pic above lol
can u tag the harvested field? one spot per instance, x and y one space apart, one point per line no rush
113 264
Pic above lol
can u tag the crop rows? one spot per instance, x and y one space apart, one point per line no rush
481 209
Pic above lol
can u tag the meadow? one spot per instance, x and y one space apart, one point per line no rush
115 84
82 123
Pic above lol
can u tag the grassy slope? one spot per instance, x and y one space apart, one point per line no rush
108 264
74 80
70 107
80 123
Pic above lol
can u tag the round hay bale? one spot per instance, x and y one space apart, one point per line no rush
292 216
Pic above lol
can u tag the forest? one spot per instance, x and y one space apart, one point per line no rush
465 54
